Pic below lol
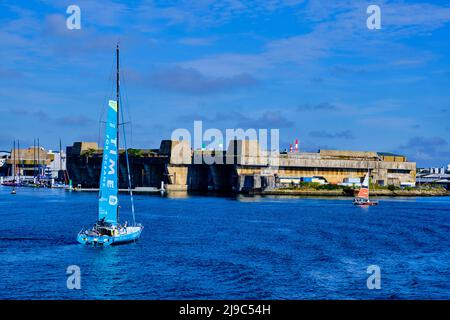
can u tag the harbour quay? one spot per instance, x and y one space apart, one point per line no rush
242 167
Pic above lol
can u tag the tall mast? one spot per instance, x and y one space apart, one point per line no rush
14 160
60 155
18 154
39 158
118 112
118 98
34 159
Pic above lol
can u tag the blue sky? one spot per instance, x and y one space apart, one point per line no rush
307 67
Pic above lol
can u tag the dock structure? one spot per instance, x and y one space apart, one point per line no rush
242 167
32 162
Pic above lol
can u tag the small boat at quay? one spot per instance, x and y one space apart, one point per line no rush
107 230
10 184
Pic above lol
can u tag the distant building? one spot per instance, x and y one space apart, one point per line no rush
57 165
31 162
244 165
391 157
434 170
82 147
434 176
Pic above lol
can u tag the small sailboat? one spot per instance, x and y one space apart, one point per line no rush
107 230
60 184
14 182
362 199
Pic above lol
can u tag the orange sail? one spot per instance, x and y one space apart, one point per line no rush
364 191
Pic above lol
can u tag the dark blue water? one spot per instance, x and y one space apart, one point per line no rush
241 248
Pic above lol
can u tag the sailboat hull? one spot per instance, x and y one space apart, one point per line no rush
132 234
365 203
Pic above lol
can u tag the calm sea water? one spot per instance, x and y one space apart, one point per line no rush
200 247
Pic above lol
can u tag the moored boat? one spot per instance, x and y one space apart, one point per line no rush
10 184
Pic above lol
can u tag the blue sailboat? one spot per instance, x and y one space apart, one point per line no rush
107 230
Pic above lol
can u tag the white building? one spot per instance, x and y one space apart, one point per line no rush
59 163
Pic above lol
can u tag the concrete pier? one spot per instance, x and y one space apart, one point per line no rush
242 167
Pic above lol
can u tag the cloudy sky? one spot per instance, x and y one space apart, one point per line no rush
310 68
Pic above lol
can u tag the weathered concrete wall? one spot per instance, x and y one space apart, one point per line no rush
335 174
199 178
177 174
223 177
146 172
179 152
242 165
348 154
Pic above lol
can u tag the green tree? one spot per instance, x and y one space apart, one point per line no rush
391 187
137 153
89 152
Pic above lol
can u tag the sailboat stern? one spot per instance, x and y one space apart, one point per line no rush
120 235
94 240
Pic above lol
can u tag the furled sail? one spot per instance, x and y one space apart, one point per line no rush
108 195
364 191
